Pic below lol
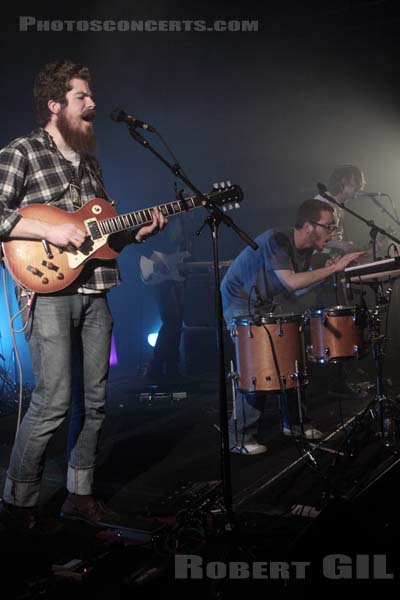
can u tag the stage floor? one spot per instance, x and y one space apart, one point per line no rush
160 469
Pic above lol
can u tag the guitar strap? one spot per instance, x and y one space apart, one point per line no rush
91 166
75 193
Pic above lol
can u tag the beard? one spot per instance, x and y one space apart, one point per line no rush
83 142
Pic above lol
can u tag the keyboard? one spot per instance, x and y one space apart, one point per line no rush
387 267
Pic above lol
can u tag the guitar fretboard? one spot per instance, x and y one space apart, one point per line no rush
145 217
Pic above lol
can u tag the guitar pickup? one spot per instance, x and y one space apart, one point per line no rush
34 270
49 265
93 228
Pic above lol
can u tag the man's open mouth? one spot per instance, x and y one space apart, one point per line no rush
89 117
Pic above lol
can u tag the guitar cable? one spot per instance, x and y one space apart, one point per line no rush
13 331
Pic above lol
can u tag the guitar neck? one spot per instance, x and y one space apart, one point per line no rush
139 218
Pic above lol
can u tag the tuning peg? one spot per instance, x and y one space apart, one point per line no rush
236 205
222 184
224 207
216 186
228 183
230 206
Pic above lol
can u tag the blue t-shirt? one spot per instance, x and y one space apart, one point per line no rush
256 268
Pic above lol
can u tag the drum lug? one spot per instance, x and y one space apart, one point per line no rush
356 349
327 352
234 332
309 351
250 333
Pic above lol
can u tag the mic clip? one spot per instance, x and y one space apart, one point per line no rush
259 299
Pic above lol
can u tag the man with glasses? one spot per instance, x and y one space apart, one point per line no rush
345 182
271 279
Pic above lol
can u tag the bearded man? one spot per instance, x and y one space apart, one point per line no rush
68 332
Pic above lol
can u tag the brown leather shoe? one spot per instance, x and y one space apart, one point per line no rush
88 509
28 520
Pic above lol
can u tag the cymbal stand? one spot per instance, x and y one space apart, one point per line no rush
383 407
383 410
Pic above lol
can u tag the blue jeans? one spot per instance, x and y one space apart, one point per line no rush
249 409
68 335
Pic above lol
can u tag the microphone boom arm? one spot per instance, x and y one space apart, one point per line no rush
375 229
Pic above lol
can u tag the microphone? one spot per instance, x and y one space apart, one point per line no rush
259 299
322 188
371 194
120 115
349 289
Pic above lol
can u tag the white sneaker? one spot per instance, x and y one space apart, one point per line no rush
249 449
310 432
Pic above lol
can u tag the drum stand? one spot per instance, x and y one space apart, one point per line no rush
234 376
384 411
304 448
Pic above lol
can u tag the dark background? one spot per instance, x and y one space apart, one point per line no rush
273 110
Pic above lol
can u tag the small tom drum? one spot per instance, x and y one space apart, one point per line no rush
269 351
336 334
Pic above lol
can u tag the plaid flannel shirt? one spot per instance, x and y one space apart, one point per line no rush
33 171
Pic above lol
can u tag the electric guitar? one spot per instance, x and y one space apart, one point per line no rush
162 267
41 267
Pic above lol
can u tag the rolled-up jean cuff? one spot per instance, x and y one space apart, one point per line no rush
80 481
21 493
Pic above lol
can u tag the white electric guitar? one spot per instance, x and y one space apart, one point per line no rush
161 267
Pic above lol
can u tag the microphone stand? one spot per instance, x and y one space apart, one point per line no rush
374 229
385 210
215 218
382 407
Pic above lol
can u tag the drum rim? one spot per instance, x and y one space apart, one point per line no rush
270 318
332 309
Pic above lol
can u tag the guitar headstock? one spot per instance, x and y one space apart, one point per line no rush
227 195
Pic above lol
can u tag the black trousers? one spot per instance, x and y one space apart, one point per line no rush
170 301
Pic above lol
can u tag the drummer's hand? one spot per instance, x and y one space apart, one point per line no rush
331 261
347 260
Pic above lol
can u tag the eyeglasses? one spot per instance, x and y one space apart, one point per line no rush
330 228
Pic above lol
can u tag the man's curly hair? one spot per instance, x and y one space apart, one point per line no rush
343 174
52 83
